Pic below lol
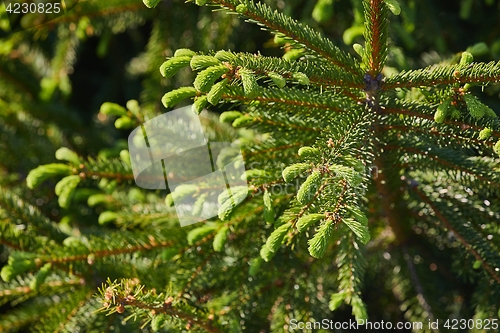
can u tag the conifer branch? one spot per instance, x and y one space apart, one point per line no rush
419 290
376 32
321 74
120 294
391 203
482 73
351 267
279 23
52 319
459 139
454 124
12 77
21 211
156 47
97 169
293 98
193 276
15 239
102 247
276 148
15 288
466 167
448 225
286 124
77 307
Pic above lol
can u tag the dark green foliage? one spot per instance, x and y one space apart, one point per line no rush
373 175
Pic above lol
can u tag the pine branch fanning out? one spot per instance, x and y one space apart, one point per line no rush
329 185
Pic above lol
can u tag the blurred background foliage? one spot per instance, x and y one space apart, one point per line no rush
54 77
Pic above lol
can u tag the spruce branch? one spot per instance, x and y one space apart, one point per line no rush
20 240
21 288
302 34
114 169
449 226
111 244
270 148
419 290
20 211
464 126
294 99
22 316
317 73
457 139
458 165
351 268
117 296
445 75
285 124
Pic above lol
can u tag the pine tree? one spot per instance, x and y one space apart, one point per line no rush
373 194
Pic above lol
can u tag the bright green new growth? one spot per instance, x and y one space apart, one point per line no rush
66 154
243 121
306 221
107 217
466 58
183 191
393 6
151 3
65 188
184 53
124 122
274 242
496 147
201 2
278 80
200 232
40 276
170 67
318 244
44 172
301 78
292 171
478 109
323 10
309 188
268 207
241 9
485 133
308 152
442 111
113 109
228 200
250 86
199 62
206 78
175 96
199 104
220 238
230 116
215 93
